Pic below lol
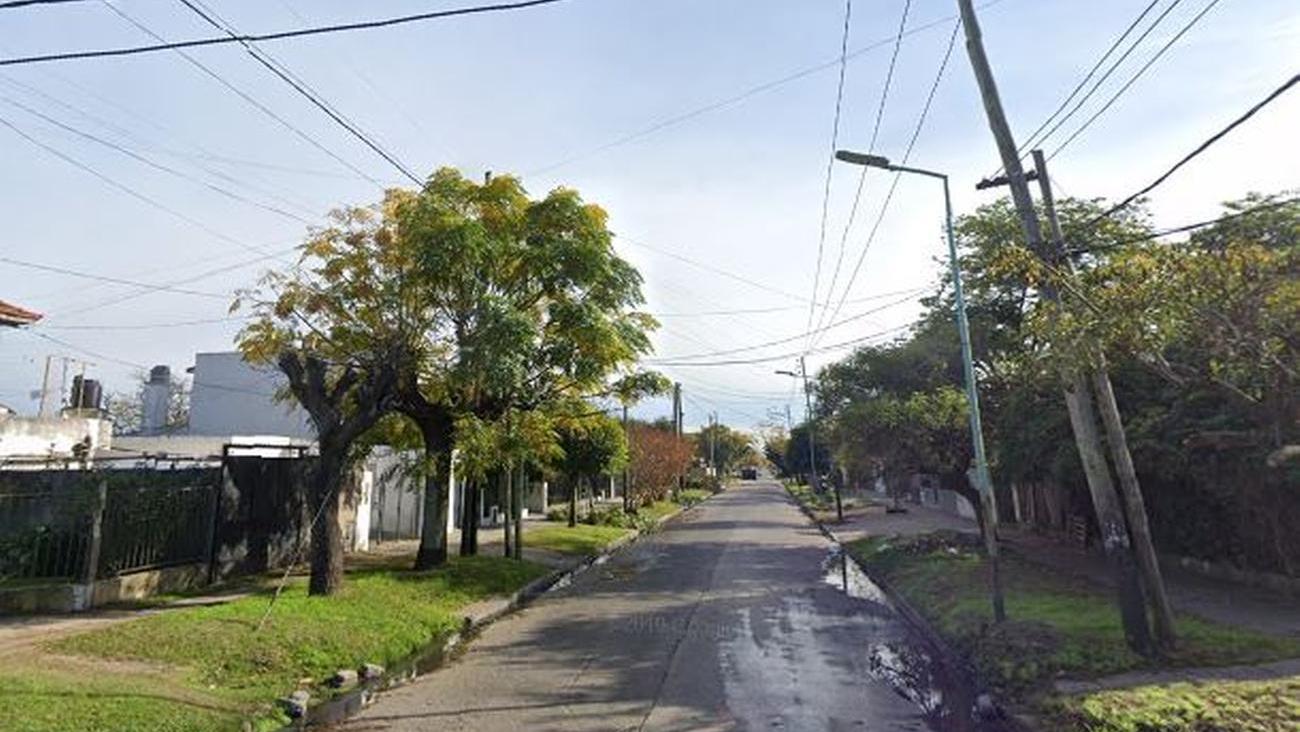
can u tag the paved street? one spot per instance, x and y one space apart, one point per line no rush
723 621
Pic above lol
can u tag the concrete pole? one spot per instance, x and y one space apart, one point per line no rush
1130 489
1078 396
983 480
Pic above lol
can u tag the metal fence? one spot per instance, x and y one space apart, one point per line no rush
66 525
148 527
43 535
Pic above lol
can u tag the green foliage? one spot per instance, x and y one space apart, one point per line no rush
1241 706
591 446
729 448
583 539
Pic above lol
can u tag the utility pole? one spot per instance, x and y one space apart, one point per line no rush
1078 396
713 443
1130 490
627 467
813 477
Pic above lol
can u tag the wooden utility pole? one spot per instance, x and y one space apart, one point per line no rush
1162 613
1078 395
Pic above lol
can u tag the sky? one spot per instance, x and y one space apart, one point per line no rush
703 128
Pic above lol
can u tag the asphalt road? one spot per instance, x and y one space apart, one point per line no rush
724 620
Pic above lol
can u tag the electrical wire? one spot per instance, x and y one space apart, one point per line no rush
276 36
7 4
245 96
830 161
303 89
112 280
907 156
710 268
737 98
1133 79
83 134
788 356
781 341
1207 144
1033 140
871 148
125 188
1184 228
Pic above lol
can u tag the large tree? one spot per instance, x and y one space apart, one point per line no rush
328 325
590 446
526 302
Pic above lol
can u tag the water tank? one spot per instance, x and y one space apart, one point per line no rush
86 393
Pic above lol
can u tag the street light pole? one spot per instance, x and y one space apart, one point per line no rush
983 481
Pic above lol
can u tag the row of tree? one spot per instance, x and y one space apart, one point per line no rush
1202 340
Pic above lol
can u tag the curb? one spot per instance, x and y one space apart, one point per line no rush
912 616
353 701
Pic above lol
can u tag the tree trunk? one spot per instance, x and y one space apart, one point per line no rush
1110 519
433 524
507 510
469 519
573 501
517 509
326 534
1162 613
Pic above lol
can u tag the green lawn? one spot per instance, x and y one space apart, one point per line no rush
1242 706
583 539
1059 626
204 668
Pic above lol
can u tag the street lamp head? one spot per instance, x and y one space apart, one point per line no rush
787 373
856 158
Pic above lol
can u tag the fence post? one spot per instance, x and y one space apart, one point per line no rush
84 595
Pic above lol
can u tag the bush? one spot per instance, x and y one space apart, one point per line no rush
692 496
558 513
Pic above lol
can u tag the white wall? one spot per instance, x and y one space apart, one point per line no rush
229 396
53 436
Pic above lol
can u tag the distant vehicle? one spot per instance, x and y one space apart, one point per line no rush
749 473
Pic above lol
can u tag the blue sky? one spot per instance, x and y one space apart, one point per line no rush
738 188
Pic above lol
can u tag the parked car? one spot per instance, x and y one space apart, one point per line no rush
749 473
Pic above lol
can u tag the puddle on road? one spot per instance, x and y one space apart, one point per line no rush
908 663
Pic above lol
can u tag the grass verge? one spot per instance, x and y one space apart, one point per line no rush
582 539
1058 626
1241 706
209 668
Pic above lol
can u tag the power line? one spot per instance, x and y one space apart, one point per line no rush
1133 79
146 143
277 36
1184 228
776 309
781 341
147 326
871 148
713 269
1199 149
1033 140
300 86
907 155
153 164
788 356
123 187
830 161
739 97
105 278
248 98
151 288
7 4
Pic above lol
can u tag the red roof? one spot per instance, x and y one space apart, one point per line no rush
12 315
